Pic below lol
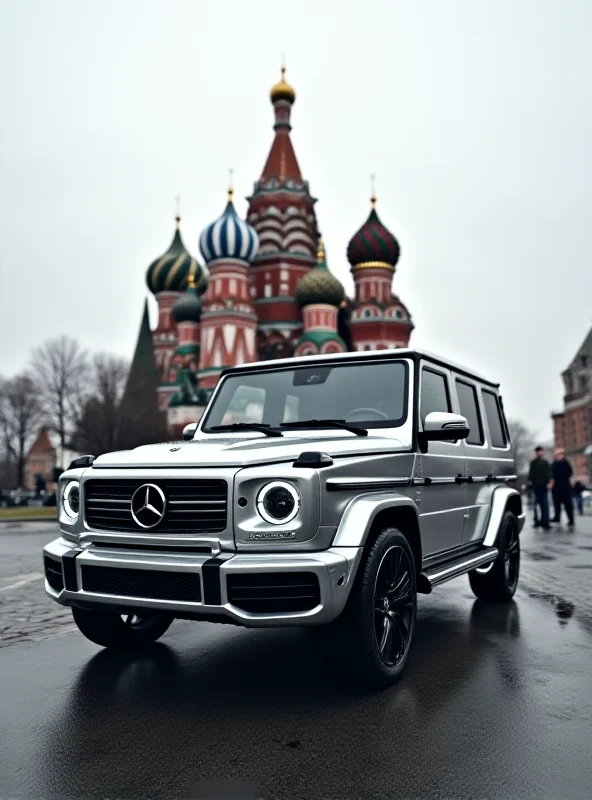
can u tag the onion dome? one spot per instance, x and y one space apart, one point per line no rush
188 307
282 90
169 272
319 285
229 237
373 245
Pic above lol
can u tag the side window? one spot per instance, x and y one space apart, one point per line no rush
494 420
434 393
469 408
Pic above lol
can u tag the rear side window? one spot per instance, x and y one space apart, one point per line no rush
494 420
434 393
469 408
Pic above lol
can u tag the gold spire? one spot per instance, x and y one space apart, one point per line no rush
191 277
373 191
178 210
282 90
320 251
230 186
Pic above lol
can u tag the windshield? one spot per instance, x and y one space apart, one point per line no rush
373 395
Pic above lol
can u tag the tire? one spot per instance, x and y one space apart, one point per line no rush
122 632
372 637
498 583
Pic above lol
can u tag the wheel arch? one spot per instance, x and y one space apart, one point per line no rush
504 499
366 515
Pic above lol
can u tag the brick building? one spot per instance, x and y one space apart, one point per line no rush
573 425
42 459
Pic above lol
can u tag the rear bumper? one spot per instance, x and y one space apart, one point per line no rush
334 569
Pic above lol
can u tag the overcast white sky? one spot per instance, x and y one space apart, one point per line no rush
476 117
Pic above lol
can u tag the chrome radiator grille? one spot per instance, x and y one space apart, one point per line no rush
192 506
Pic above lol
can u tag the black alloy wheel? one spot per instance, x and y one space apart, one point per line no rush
511 552
393 605
370 641
499 581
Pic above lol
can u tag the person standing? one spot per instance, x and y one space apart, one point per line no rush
540 477
562 495
578 488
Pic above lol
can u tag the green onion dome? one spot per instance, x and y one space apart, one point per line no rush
319 285
373 245
188 307
169 273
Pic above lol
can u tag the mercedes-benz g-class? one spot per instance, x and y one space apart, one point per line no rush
319 491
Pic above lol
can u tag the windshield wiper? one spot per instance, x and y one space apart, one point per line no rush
261 427
326 423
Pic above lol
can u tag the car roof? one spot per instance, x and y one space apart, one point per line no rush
362 355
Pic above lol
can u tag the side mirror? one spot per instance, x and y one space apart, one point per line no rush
189 431
440 426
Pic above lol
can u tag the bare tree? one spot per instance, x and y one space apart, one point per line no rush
98 404
523 444
60 367
21 414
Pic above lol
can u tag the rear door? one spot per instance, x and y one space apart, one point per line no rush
442 493
479 487
502 464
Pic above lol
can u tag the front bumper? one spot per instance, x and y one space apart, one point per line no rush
334 569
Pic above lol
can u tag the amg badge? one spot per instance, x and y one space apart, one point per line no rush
275 535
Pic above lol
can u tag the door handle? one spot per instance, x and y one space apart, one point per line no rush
461 479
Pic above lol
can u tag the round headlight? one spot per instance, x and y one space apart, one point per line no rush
278 502
71 499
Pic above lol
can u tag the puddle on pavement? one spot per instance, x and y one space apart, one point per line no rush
540 557
563 608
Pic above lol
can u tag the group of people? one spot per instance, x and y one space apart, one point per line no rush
556 477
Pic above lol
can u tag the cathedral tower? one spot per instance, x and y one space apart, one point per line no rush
320 294
228 320
378 319
281 209
166 278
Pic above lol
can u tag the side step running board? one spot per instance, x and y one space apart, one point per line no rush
446 572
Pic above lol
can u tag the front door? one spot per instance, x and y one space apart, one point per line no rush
441 491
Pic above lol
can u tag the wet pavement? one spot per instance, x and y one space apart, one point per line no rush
496 701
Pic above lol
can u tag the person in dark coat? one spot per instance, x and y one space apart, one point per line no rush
540 478
578 488
562 493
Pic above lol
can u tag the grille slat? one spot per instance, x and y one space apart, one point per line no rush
150 584
193 506
276 592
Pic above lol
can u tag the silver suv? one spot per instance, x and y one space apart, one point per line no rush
324 491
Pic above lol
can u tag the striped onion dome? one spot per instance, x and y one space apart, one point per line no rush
319 285
229 237
373 245
169 273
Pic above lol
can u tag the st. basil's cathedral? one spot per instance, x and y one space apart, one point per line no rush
265 290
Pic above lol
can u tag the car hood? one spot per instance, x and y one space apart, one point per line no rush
241 451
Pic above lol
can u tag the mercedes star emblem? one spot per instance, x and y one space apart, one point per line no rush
148 505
